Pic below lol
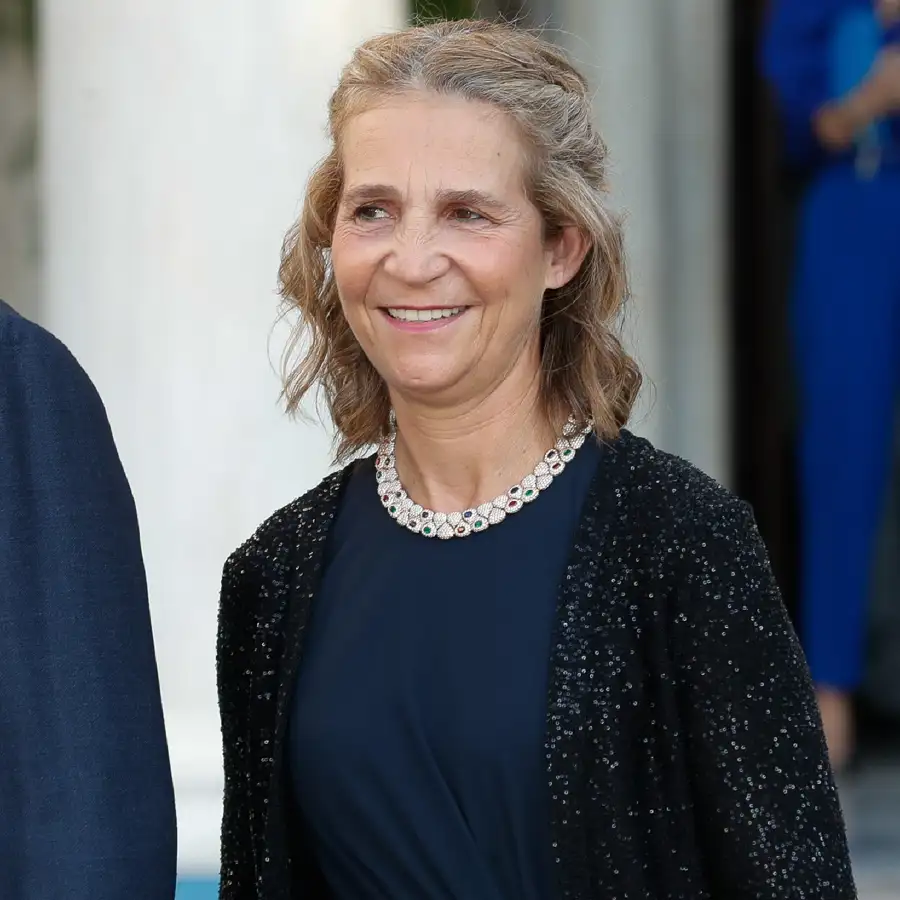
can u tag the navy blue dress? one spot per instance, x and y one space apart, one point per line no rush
418 726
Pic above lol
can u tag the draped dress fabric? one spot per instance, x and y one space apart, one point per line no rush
418 723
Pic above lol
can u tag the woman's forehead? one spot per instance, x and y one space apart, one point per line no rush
433 143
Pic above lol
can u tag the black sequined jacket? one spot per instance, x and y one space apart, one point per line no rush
685 758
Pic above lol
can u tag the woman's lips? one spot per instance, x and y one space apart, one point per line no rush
409 319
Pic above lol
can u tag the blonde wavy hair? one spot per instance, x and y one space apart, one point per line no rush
585 370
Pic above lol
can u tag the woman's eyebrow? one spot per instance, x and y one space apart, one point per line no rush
367 193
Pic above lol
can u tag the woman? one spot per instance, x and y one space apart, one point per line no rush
835 67
518 652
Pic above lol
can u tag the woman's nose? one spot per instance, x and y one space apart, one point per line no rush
416 256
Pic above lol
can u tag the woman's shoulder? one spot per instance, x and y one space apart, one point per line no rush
684 528
664 487
308 518
679 514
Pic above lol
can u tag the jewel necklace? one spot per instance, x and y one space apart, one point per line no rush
429 523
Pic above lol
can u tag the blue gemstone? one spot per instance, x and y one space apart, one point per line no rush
467 514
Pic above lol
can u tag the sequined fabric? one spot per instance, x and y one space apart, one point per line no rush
685 758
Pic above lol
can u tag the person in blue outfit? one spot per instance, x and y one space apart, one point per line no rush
835 68
86 802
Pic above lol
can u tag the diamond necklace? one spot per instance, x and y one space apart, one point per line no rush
429 523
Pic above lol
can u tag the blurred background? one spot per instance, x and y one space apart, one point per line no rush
154 152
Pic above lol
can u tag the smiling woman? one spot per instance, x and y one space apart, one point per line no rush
517 652
477 192
451 248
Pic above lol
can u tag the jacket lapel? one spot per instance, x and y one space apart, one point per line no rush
301 564
573 688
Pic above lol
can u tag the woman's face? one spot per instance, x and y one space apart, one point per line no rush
437 252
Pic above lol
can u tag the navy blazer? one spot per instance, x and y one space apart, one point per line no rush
86 802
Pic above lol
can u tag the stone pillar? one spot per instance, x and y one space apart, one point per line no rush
619 48
177 138
697 228
661 90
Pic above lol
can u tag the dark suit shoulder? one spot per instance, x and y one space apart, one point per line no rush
33 347
7 315
16 330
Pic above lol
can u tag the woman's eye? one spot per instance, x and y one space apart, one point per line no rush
466 215
370 213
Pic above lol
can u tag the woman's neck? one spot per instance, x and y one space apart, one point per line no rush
455 459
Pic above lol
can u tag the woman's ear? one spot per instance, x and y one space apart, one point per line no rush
566 252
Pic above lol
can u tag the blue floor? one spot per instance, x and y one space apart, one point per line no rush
197 889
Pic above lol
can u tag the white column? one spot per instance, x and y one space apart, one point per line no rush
659 69
177 137
697 232
618 47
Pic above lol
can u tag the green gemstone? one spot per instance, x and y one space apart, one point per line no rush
479 523
529 492
392 510
426 529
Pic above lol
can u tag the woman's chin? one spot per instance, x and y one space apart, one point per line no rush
416 382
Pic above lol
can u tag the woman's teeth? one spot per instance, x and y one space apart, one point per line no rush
424 315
